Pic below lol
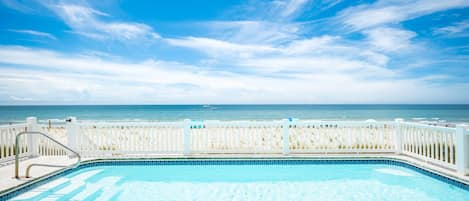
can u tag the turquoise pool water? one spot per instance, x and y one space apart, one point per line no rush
246 182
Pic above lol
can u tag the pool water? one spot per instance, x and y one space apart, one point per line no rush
281 181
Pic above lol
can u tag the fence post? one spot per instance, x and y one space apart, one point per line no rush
72 134
462 149
187 139
33 148
398 140
286 136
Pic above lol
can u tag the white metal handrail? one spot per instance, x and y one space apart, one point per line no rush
17 157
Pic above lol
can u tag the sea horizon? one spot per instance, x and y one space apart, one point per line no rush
451 113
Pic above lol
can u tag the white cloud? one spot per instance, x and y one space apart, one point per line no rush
88 22
277 10
69 78
291 7
392 12
266 59
389 39
334 46
327 4
260 22
94 36
20 98
324 53
315 44
34 33
253 32
19 6
218 48
319 65
457 29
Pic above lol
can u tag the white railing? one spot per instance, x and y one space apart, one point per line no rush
236 137
447 147
434 144
94 139
341 137
47 147
7 141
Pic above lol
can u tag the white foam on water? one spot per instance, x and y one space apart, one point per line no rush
394 172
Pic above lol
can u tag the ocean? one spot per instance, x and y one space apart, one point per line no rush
442 113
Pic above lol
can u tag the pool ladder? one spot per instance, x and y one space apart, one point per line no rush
17 155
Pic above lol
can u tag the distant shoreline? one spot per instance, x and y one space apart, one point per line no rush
247 104
426 112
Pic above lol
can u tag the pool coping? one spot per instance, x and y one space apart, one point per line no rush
436 174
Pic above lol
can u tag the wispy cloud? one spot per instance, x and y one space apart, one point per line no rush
389 39
278 10
20 98
258 52
261 22
327 4
218 48
392 12
34 33
254 32
457 29
153 81
88 22
316 54
17 5
290 7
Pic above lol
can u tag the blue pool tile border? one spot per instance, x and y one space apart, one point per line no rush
153 162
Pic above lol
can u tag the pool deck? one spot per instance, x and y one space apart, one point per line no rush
8 182
7 170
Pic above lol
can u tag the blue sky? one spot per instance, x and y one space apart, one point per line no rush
230 52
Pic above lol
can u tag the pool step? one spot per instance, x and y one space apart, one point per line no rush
67 186
42 189
104 185
109 193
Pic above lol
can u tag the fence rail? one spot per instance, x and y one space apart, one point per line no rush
447 147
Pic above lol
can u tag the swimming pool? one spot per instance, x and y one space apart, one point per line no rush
245 180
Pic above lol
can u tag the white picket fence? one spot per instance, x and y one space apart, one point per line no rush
7 141
93 139
435 144
342 137
447 147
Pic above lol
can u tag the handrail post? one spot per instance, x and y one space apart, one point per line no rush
17 164
17 157
462 150
72 134
33 148
398 139
286 136
187 139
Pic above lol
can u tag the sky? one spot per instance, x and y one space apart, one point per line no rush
234 52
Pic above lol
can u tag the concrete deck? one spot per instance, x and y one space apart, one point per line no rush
7 171
7 180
